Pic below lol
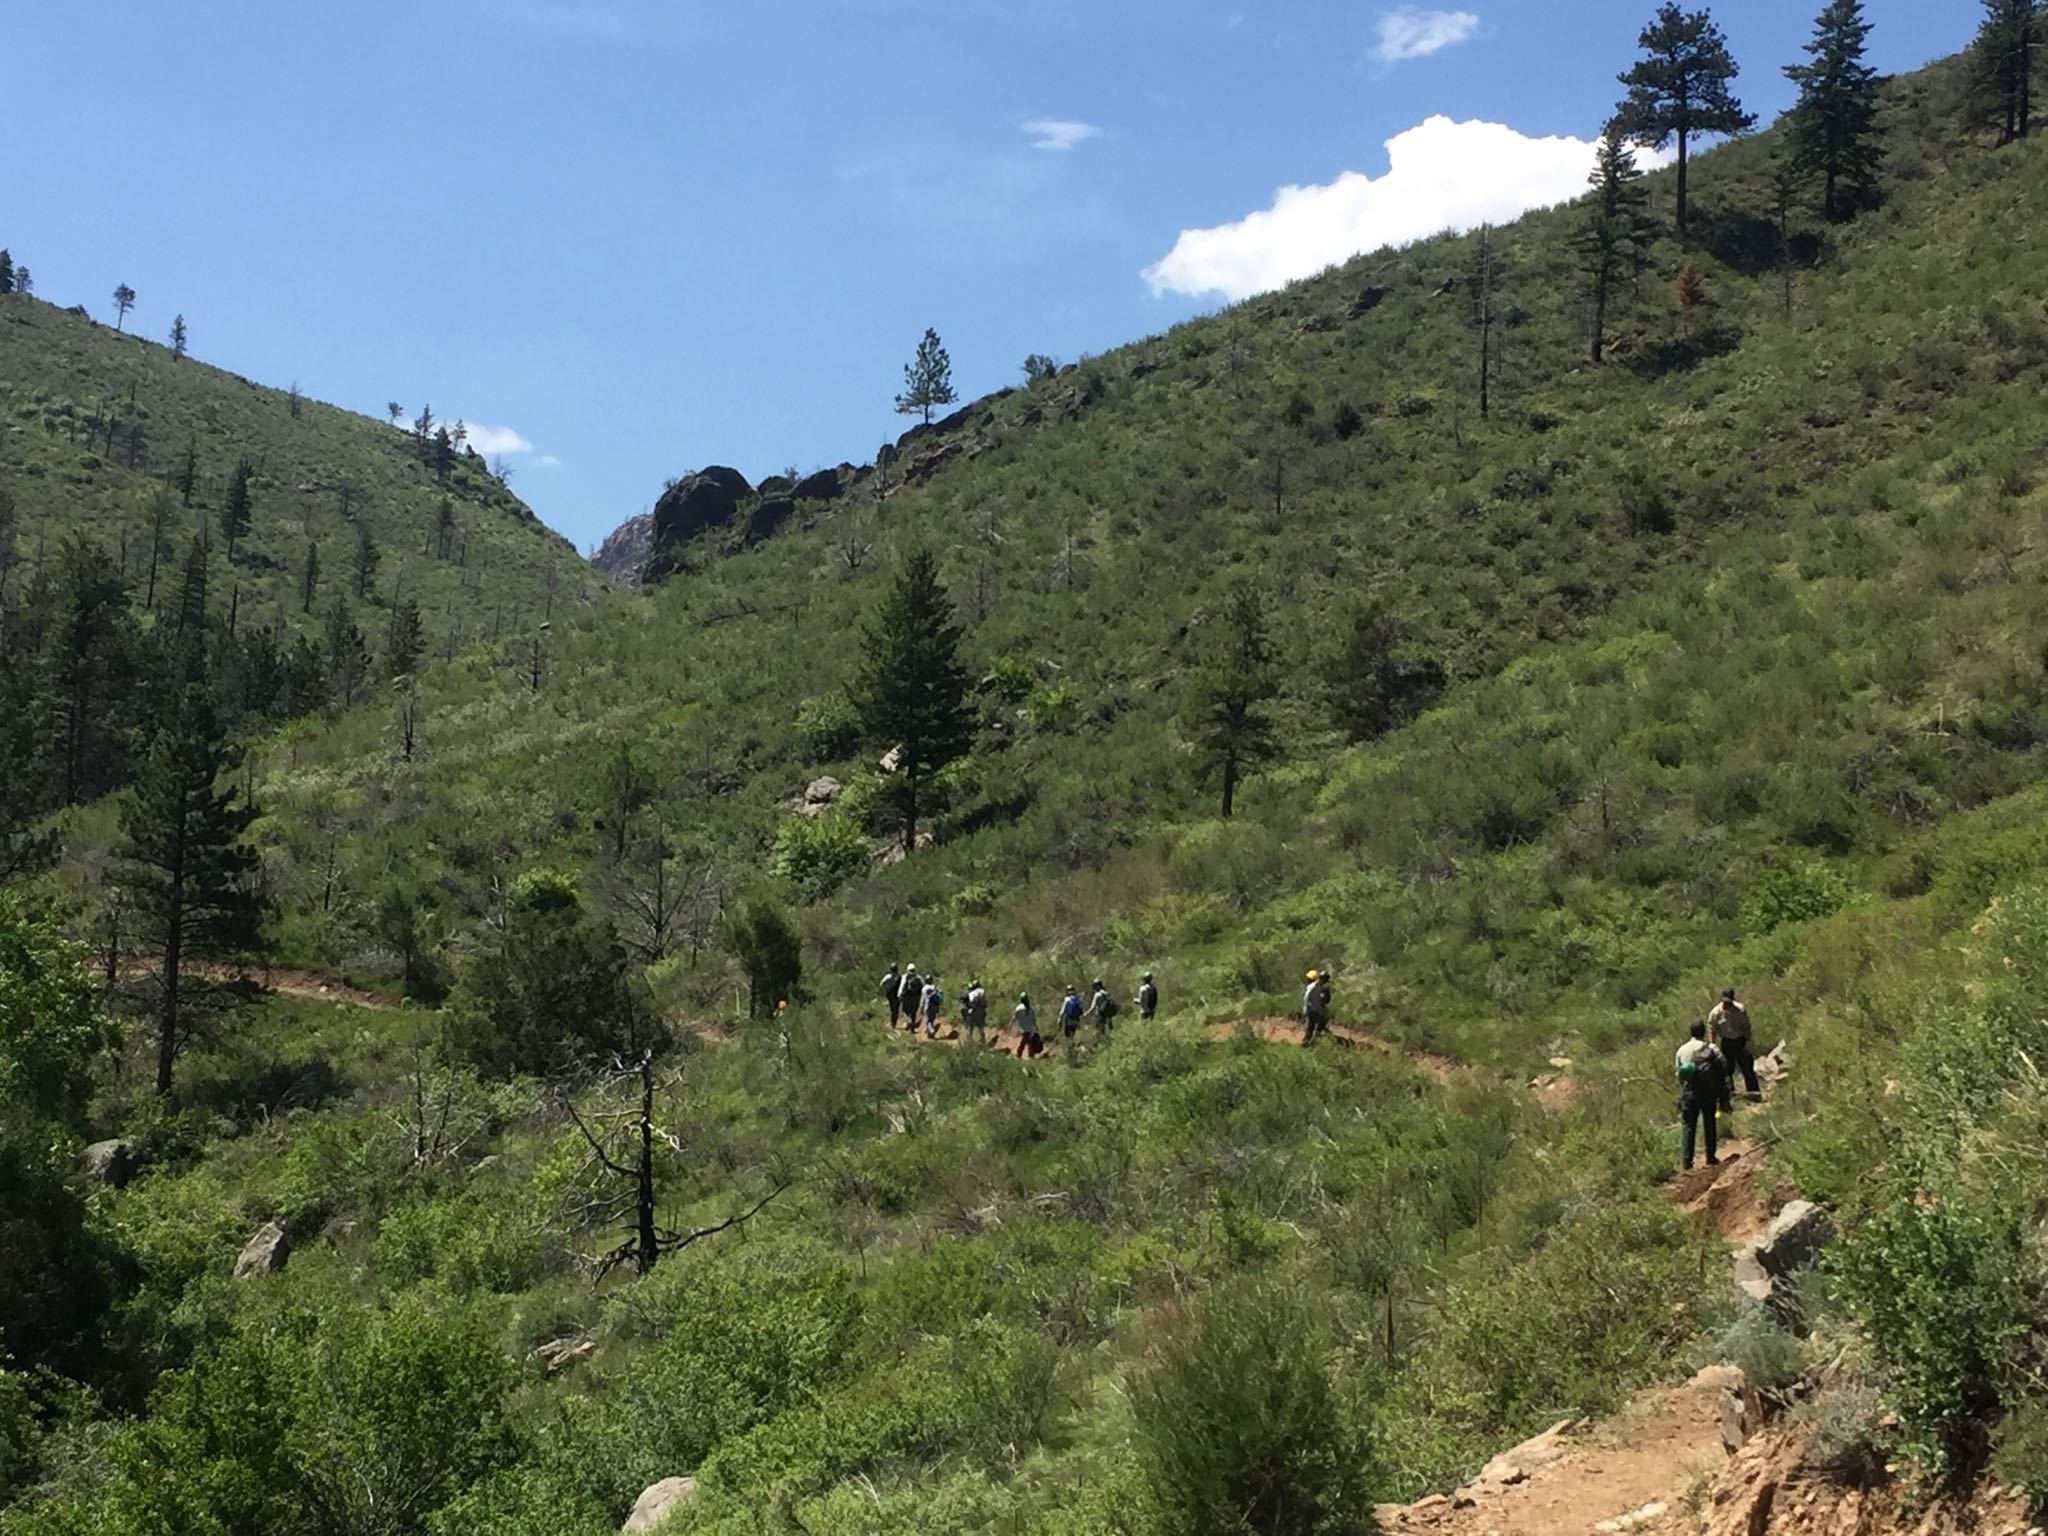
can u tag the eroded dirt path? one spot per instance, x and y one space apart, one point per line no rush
285 982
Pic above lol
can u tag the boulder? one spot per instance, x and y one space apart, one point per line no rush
1368 300
109 1162
559 1354
696 504
265 1252
1794 1238
1750 1277
775 485
766 518
657 1503
823 791
1742 1415
825 485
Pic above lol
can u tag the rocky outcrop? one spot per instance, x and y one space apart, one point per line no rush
265 1253
624 553
652 1509
819 796
825 485
1367 301
108 1162
708 501
765 519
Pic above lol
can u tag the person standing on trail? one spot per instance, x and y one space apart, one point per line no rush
1730 1025
1070 1013
1148 997
912 992
1702 1074
1026 1021
1315 1007
932 998
1103 1008
892 993
974 1014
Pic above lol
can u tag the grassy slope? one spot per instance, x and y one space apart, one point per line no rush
59 372
1829 663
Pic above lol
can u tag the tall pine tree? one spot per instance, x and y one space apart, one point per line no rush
2008 47
927 379
911 691
1617 232
235 512
1833 128
405 639
185 867
1228 713
1680 88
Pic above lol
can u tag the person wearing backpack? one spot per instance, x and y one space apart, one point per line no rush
892 994
974 1014
911 990
1702 1086
1315 1007
932 998
1104 1008
1070 1014
1148 997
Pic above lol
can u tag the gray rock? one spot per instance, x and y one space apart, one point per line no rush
109 1162
1794 1238
264 1253
625 550
1368 300
766 518
825 485
657 1503
1750 1277
1742 1415
823 791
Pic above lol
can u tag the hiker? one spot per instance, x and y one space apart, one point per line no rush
974 1014
1148 997
932 998
1103 1008
1026 1021
1315 1007
1730 1025
892 993
1702 1085
1070 1013
912 992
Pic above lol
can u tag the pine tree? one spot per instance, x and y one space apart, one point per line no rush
124 300
23 283
367 556
395 411
190 630
1228 715
178 335
444 527
405 639
159 525
1617 233
6 273
444 454
2008 46
927 379
1833 130
911 690
1679 89
309 578
185 867
235 513
348 654
423 431
88 655
188 472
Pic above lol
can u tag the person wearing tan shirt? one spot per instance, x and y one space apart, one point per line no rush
1730 1024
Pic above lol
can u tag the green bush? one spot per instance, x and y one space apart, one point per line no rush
828 727
1793 893
1242 1426
819 854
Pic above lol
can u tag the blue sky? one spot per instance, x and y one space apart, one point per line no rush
633 237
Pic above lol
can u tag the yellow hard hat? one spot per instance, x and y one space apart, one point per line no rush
1312 976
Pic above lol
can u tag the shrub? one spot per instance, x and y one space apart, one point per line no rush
828 727
1793 893
818 854
1764 1350
1242 1427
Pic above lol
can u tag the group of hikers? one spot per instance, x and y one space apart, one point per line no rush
914 1000
1716 1049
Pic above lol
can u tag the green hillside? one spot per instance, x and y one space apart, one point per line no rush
94 423
1717 662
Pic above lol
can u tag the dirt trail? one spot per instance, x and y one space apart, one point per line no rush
283 981
1633 1472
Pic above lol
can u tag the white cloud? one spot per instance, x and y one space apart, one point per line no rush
1059 134
1410 33
548 461
1440 175
490 441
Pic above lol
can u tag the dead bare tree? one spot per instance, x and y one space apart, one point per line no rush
619 1175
